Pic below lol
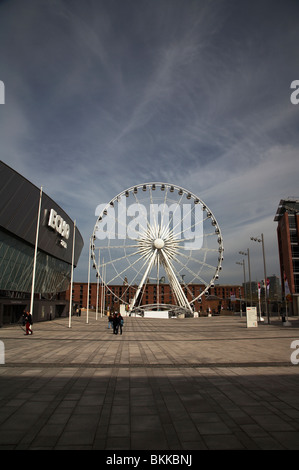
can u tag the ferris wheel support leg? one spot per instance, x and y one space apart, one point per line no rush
176 291
143 280
176 286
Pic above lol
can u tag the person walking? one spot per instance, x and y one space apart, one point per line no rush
110 320
121 323
28 323
115 323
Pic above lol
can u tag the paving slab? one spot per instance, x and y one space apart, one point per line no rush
164 384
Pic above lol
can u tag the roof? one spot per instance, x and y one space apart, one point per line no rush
290 205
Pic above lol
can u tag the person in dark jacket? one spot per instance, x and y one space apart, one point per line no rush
115 323
121 323
28 323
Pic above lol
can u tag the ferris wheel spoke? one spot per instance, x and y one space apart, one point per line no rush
145 275
147 227
154 227
122 209
211 234
181 252
138 272
115 247
179 222
190 271
125 257
195 260
163 227
203 248
135 277
125 269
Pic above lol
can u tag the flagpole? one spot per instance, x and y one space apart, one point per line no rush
104 280
72 274
35 252
259 297
98 281
285 298
286 293
265 275
102 290
87 306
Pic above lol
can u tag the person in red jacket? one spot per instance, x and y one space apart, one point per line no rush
28 323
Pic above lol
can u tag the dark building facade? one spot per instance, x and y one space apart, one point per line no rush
19 210
287 216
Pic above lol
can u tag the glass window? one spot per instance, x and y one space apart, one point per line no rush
16 266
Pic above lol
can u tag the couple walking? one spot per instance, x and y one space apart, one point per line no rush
117 322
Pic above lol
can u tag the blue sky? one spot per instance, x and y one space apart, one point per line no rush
101 95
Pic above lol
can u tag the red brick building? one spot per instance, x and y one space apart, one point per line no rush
220 298
287 216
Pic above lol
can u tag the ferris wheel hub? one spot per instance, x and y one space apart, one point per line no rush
159 243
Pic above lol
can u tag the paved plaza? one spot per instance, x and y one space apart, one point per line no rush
177 384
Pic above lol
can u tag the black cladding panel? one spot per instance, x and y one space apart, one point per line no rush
19 202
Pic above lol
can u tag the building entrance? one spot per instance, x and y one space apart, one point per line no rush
11 313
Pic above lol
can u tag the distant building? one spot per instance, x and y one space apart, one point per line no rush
274 292
274 287
219 297
250 287
287 216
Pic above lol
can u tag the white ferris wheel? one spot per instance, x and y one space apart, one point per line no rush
156 233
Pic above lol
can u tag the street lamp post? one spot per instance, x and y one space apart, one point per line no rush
261 240
249 272
245 292
72 277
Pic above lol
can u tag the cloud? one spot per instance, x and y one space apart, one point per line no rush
245 202
119 93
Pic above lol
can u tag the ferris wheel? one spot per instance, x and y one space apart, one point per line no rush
156 233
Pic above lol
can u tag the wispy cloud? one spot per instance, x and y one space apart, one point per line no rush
118 93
